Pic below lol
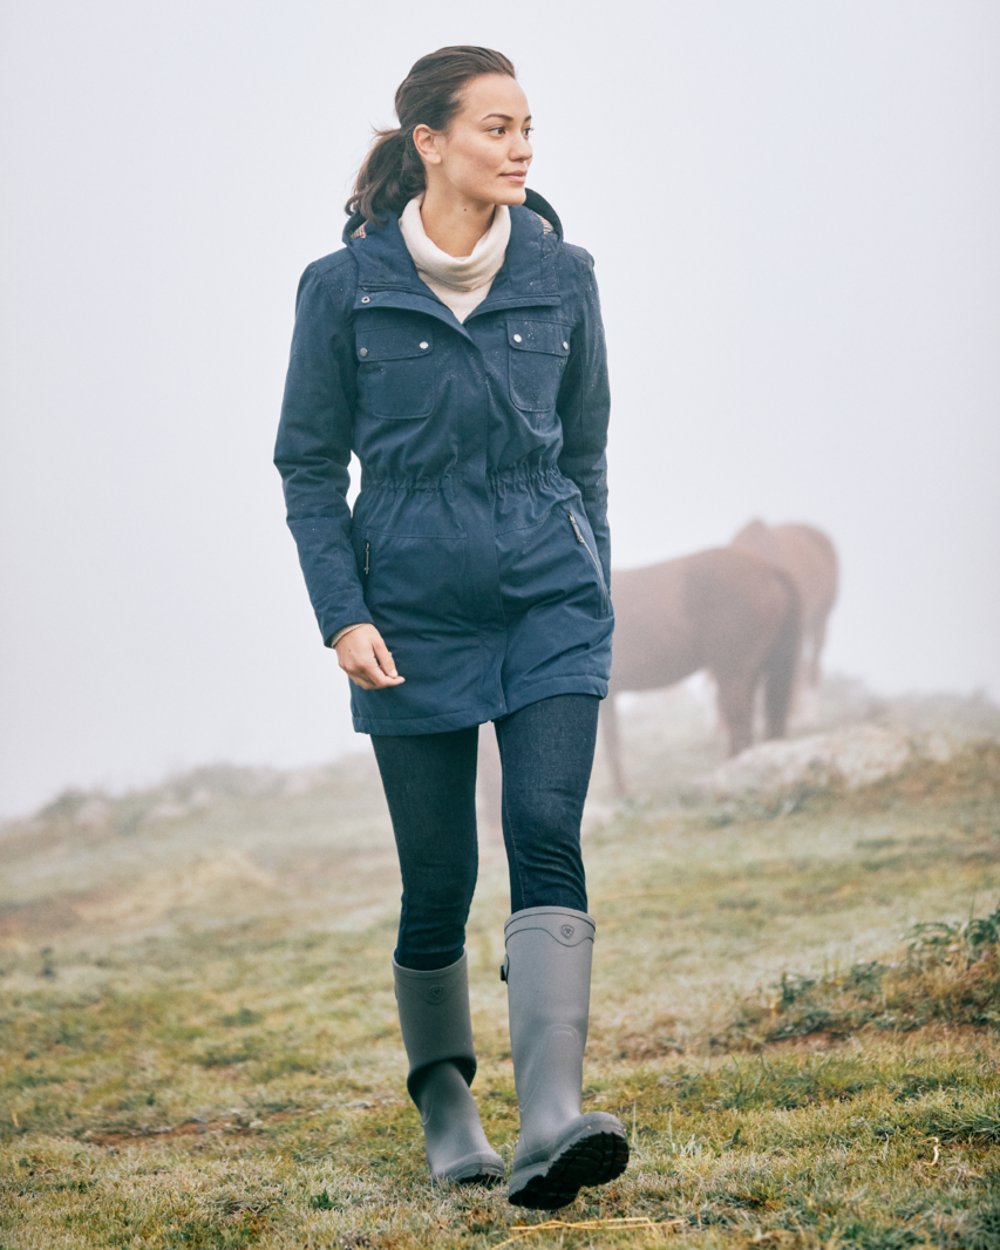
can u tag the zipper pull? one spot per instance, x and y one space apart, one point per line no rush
368 556
576 527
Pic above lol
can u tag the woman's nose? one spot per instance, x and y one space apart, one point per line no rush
520 149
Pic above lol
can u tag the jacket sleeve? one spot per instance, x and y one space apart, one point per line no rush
313 448
583 406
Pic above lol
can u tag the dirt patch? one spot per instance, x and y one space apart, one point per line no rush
23 922
189 1128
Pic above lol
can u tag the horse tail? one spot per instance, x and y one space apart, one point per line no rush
782 663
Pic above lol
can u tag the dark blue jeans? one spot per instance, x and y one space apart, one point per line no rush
546 754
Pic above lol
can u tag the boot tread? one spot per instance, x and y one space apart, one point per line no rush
593 1159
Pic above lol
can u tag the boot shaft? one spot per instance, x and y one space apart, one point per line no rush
548 966
547 970
434 1019
437 1033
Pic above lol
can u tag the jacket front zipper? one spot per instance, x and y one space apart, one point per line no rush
593 558
368 556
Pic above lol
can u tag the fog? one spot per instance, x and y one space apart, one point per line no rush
793 209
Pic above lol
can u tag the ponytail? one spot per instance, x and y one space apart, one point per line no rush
392 173
390 176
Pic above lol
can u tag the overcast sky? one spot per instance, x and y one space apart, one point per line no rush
793 208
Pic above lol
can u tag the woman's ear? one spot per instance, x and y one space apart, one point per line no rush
425 141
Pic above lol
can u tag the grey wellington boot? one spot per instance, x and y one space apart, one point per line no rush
547 970
437 1034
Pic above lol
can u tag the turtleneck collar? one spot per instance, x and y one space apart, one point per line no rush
461 273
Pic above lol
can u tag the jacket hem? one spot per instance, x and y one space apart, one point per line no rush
443 722
525 694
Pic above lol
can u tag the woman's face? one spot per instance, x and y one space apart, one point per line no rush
484 154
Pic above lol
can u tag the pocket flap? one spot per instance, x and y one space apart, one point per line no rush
538 336
393 344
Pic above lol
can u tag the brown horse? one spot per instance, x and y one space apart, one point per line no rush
808 556
721 610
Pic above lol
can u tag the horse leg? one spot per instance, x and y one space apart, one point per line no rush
800 680
735 701
818 642
488 788
609 726
783 663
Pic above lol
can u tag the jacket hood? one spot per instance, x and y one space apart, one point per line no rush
532 201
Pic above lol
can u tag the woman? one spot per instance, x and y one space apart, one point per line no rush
455 344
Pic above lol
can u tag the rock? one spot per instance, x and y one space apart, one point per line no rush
853 756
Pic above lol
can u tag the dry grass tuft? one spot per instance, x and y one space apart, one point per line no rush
949 973
624 1223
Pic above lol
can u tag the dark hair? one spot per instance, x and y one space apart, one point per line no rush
392 172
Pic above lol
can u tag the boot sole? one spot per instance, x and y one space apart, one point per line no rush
592 1159
473 1172
476 1177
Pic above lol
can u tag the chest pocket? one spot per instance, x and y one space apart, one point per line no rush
396 371
537 355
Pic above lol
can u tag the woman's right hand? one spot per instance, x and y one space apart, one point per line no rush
366 660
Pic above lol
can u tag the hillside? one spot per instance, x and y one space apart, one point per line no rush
796 1006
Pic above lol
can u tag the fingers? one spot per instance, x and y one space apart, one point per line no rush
384 657
366 660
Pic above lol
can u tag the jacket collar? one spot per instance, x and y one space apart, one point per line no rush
387 276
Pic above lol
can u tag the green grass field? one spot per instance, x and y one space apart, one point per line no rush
796 1013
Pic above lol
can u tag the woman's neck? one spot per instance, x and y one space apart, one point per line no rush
454 225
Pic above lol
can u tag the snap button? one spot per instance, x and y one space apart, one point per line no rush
517 338
424 346
366 299
362 351
565 346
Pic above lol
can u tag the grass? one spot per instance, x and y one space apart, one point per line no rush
950 973
796 1015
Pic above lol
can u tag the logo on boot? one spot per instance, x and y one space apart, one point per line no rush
435 993
567 930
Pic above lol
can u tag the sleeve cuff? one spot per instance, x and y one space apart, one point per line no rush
341 632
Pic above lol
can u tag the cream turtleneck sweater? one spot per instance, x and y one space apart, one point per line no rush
461 282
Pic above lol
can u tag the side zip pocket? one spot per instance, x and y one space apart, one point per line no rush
368 557
593 558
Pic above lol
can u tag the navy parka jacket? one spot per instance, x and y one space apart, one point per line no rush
478 543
